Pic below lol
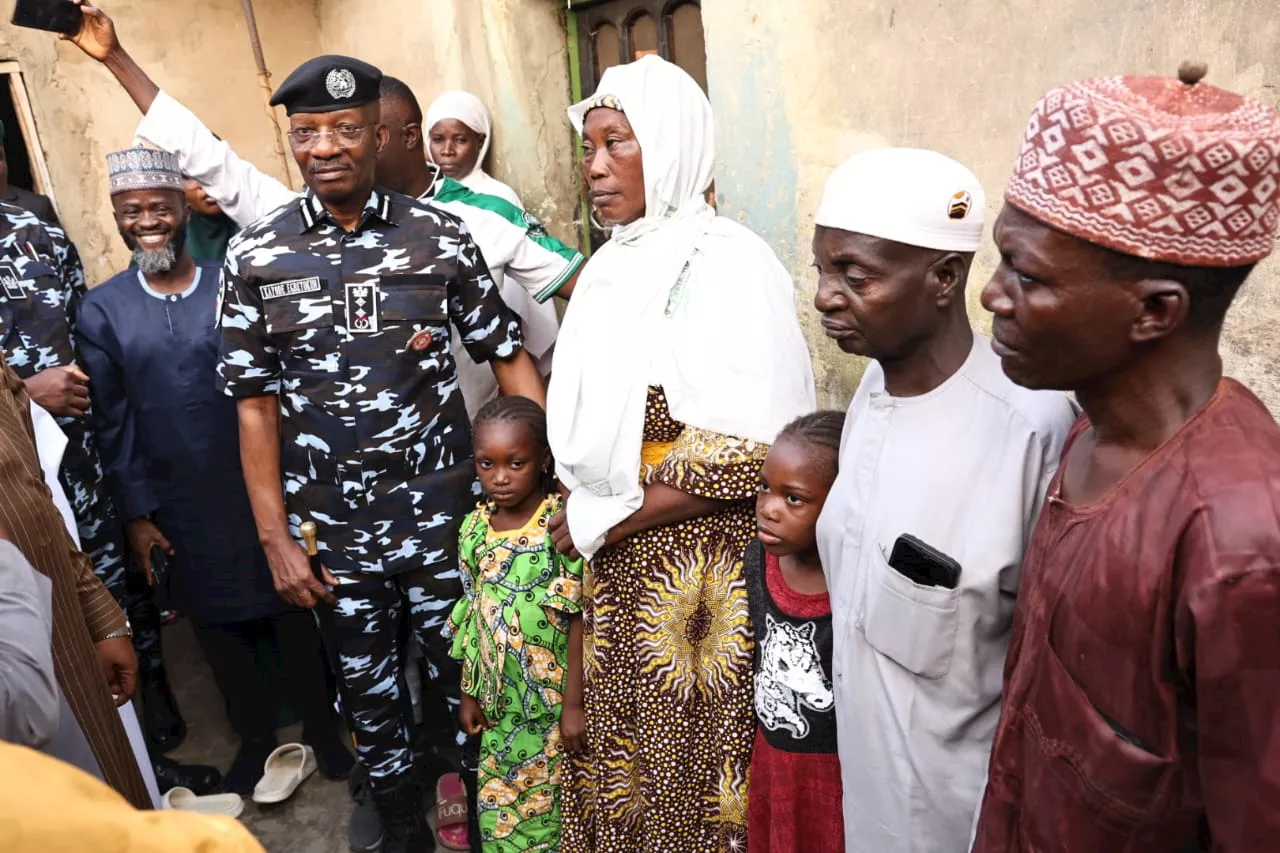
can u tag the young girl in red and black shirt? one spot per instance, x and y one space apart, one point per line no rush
795 796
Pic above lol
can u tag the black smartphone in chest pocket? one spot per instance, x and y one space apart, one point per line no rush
54 16
920 562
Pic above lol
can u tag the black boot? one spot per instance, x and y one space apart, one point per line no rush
198 778
364 830
247 768
404 823
165 729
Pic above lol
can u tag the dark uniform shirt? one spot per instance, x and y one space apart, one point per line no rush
41 283
351 330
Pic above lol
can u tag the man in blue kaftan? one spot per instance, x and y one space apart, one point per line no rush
170 448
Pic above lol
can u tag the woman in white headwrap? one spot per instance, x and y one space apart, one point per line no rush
459 131
679 361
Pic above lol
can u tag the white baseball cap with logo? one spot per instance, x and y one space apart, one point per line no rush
908 195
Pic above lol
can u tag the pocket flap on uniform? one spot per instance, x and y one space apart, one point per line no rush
415 297
914 625
18 279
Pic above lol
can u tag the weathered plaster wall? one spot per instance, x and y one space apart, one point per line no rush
198 51
800 86
510 53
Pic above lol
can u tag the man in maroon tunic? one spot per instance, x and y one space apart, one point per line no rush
1142 688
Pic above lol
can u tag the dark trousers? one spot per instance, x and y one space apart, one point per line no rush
127 583
363 634
137 599
235 652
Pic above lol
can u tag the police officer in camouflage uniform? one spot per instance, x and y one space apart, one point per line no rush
41 283
335 342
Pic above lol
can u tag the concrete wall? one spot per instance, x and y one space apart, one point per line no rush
797 88
197 51
800 86
510 53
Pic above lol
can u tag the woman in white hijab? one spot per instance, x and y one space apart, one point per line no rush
459 131
679 361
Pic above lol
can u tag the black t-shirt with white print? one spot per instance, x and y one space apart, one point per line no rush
794 699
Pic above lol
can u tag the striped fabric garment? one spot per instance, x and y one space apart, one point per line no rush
83 610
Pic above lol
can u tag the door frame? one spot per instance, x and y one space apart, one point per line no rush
27 122
589 15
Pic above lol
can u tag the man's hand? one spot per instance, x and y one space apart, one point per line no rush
558 527
61 391
470 716
119 666
143 535
291 572
97 36
573 727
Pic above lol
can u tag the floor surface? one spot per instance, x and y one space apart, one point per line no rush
313 821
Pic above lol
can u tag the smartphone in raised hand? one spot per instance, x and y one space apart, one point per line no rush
54 16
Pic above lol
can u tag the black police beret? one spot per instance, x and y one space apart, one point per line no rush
327 84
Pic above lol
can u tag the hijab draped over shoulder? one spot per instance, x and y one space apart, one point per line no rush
470 110
681 298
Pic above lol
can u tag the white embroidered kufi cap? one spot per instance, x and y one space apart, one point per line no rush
908 195
143 169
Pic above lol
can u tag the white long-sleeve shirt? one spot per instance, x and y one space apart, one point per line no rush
61 736
29 698
527 264
918 670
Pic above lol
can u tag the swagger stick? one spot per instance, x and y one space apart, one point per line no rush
325 617
308 531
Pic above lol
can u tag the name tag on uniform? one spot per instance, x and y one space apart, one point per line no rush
294 287
362 308
11 281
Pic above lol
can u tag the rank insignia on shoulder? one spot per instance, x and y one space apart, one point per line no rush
11 281
420 341
362 308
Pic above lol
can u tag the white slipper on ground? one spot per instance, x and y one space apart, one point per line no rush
286 768
184 799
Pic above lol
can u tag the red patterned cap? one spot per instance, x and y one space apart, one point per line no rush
1169 170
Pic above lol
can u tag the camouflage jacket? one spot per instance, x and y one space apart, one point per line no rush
351 331
41 284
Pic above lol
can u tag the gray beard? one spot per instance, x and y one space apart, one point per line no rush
157 262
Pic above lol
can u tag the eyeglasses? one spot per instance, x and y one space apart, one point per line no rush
346 135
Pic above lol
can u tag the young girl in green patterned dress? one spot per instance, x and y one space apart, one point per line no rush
518 633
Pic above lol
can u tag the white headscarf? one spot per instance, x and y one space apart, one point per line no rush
680 298
470 110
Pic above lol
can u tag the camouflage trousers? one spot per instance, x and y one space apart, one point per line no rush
102 538
364 635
